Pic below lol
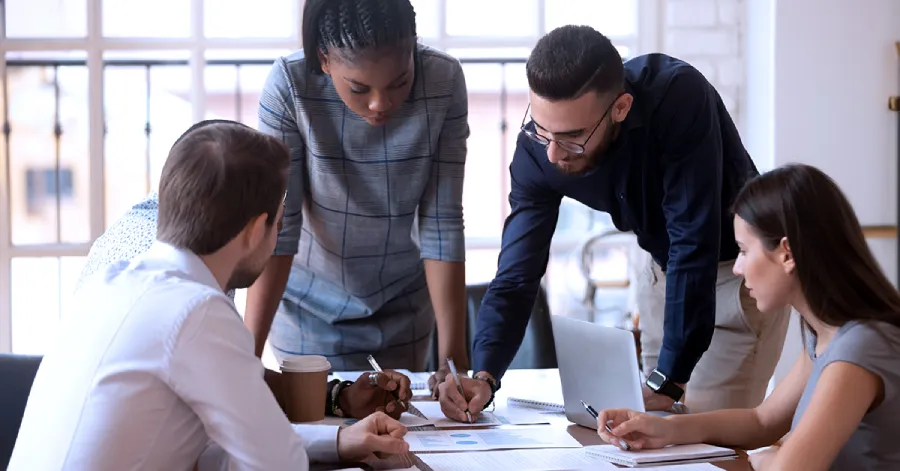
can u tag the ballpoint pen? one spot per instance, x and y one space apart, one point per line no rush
590 410
409 407
458 385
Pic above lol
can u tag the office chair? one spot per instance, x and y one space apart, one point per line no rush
537 350
17 373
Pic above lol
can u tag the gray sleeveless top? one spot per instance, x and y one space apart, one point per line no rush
875 346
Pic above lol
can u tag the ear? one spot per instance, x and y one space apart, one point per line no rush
323 60
255 232
621 107
787 257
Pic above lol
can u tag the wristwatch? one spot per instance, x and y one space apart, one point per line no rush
493 384
659 383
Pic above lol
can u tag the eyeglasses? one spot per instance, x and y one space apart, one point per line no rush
568 146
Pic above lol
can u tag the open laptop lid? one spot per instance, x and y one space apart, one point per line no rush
597 365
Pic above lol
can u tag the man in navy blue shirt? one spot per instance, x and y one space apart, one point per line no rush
651 144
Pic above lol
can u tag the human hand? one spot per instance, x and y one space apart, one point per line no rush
436 379
390 394
656 401
762 459
454 405
377 435
637 429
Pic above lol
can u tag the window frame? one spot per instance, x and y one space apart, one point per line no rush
646 38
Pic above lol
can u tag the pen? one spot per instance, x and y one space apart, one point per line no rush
409 407
594 414
458 385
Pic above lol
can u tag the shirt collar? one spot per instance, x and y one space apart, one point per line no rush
182 260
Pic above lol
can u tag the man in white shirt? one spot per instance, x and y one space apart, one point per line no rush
155 363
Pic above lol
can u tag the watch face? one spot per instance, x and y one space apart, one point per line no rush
656 380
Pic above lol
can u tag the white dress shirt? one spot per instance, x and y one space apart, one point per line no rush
153 365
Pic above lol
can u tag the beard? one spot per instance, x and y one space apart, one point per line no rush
576 165
245 274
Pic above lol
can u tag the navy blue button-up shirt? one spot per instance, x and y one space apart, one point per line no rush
670 177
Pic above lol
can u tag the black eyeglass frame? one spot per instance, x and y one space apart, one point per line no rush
568 146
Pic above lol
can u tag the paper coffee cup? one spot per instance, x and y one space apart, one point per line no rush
305 380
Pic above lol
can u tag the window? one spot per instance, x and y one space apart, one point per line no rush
92 114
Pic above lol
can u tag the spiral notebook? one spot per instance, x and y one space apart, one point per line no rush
678 454
535 404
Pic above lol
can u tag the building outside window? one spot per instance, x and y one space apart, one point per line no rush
96 91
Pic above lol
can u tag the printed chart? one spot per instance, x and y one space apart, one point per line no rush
493 439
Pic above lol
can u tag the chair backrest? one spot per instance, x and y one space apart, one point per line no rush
537 349
17 375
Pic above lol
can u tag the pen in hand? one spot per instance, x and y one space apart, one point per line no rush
409 407
458 385
590 410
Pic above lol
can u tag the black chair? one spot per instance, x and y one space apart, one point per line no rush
16 375
537 350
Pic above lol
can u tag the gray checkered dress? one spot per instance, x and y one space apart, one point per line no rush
365 205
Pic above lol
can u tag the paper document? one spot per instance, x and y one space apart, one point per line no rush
406 419
418 381
535 436
509 416
515 460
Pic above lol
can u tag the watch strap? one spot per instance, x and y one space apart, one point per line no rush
672 390
495 385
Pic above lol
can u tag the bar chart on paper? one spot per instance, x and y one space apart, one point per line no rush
493 439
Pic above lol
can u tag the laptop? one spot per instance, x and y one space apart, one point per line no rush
597 365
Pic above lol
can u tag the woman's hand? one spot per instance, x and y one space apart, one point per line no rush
636 429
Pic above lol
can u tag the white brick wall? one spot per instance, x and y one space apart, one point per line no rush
707 34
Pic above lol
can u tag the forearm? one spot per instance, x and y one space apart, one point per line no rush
734 428
447 287
263 298
690 315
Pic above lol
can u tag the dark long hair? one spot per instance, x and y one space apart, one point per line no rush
839 277
355 26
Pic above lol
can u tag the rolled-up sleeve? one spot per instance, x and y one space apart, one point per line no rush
692 185
441 228
277 117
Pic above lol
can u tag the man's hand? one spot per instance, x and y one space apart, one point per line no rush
377 434
436 379
637 429
454 406
656 401
362 398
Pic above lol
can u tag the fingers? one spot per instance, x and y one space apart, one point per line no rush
480 392
385 425
632 425
386 444
452 403
404 389
386 380
613 416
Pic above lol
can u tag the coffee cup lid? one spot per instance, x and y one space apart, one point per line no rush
305 364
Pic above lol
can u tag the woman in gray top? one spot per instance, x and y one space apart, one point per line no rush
801 245
371 257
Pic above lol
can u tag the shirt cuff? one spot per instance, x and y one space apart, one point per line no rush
677 368
320 441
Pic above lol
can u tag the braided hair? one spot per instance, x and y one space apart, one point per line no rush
355 26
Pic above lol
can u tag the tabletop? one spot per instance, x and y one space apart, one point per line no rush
541 385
